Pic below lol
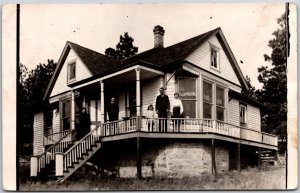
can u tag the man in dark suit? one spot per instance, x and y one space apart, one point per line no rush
162 107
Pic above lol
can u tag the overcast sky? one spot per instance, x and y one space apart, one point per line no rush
247 28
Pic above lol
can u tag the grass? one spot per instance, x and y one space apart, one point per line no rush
252 178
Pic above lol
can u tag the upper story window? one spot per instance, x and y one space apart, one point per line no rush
215 57
71 71
207 99
243 115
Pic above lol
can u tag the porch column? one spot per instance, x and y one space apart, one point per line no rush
102 101
138 92
72 109
238 157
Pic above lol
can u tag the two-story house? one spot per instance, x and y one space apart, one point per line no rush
220 130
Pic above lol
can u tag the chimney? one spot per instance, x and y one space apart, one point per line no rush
158 36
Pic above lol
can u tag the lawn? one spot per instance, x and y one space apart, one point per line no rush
252 178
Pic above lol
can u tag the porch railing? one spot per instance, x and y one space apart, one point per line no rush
119 127
186 125
40 161
54 137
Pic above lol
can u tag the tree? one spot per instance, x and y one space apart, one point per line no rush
31 89
251 90
124 48
274 79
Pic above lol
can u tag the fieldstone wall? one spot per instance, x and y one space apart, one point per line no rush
174 159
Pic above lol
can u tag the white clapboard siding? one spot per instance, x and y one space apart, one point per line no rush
38 133
150 90
81 73
56 121
233 112
253 115
122 109
170 87
201 58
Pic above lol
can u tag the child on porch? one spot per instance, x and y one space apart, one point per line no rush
150 116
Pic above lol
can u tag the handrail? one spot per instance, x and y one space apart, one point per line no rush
269 134
82 139
71 131
56 133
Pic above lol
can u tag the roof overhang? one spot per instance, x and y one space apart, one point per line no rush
246 99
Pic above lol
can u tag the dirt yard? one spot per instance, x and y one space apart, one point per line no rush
253 178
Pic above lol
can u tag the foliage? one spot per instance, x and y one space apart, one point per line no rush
124 48
251 89
31 89
274 79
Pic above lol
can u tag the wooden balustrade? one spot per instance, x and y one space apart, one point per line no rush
120 126
81 147
48 155
54 137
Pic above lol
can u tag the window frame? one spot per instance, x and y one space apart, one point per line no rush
215 83
70 63
244 106
223 107
212 98
196 98
217 50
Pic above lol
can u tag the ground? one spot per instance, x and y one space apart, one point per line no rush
270 177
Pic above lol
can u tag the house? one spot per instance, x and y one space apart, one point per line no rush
220 130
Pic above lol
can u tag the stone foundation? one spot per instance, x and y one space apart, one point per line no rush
169 159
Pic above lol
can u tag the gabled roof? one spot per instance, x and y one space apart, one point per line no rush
181 50
96 62
245 98
100 64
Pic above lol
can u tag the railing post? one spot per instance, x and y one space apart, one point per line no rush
101 129
33 166
214 125
138 123
59 164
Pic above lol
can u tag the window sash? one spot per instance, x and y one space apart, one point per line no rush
72 71
243 114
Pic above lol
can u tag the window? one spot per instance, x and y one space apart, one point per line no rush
214 51
188 96
71 71
214 101
48 122
207 100
66 114
243 111
220 103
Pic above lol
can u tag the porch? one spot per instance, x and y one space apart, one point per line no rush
178 128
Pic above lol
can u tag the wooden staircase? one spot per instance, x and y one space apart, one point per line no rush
63 158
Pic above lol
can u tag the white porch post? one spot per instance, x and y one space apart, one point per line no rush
138 92
72 109
102 101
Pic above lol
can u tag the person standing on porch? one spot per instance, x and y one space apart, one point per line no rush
177 110
113 112
162 107
84 124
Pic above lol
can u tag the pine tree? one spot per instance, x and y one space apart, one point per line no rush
274 79
124 48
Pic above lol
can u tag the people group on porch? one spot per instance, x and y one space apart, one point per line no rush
163 107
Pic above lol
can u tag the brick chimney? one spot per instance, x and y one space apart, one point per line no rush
158 36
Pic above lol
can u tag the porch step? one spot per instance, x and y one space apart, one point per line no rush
76 165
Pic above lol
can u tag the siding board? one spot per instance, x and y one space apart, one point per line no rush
150 90
201 58
253 115
38 133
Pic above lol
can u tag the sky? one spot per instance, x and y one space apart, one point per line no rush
45 28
